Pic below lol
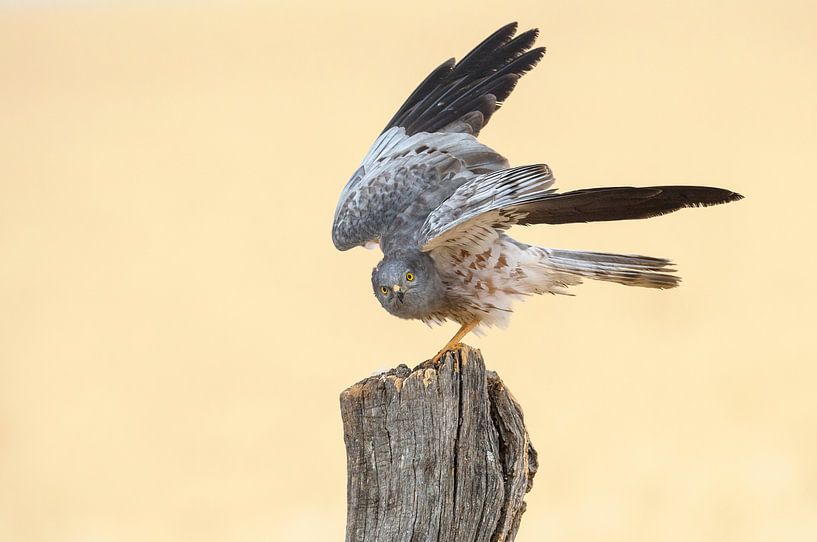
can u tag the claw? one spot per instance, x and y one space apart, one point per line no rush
455 343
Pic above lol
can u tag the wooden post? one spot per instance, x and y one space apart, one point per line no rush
435 454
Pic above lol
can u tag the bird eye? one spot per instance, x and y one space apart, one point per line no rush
384 290
410 276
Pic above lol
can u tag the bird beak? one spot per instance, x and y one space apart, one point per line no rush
396 287
399 291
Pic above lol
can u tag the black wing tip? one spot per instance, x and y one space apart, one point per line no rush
684 195
456 89
622 203
704 196
512 27
730 197
508 29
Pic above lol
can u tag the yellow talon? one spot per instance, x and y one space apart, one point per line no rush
455 340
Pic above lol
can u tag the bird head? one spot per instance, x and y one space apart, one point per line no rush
408 285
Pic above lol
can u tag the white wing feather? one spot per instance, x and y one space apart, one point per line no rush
475 213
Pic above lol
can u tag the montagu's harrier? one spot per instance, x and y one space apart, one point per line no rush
439 202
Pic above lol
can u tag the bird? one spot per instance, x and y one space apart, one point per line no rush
439 203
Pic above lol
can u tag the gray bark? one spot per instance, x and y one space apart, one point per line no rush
435 454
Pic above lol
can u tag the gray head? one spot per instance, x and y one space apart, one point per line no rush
408 286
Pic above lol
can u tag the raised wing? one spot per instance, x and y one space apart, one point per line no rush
432 137
483 215
396 171
463 96
619 203
475 213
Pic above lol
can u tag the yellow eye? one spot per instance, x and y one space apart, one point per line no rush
384 290
409 276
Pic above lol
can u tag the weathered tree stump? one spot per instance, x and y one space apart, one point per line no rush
435 454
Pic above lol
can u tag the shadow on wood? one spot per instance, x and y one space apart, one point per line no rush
435 454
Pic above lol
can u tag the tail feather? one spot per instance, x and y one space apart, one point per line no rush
624 269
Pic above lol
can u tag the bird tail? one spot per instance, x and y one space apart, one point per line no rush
624 269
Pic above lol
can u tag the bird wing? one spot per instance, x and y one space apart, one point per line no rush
619 203
480 208
462 96
432 138
396 171
482 216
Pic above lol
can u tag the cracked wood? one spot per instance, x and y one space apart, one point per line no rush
435 454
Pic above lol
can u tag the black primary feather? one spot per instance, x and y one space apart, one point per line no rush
478 83
619 203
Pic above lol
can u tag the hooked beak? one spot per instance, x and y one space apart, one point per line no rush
399 291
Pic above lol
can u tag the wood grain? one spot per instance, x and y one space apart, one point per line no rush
435 454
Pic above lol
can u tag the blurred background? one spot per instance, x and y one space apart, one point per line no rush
176 325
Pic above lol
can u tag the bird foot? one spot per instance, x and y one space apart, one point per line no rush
449 348
454 343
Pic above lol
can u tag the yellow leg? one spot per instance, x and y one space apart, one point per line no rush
464 330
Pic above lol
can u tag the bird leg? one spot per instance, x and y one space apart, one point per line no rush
464 330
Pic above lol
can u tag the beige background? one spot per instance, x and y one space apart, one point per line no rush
176 325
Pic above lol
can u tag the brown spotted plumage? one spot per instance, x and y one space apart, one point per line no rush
438 202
